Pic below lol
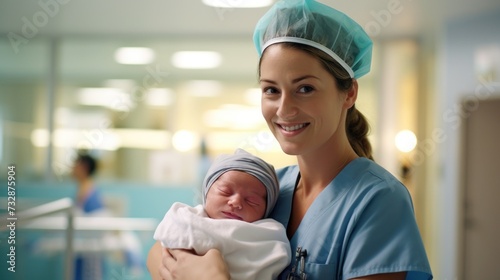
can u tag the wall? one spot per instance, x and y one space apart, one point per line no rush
458 80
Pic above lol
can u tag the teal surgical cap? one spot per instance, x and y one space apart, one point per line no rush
311 23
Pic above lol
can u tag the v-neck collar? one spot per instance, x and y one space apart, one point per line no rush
325 199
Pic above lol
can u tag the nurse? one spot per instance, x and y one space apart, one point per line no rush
346 217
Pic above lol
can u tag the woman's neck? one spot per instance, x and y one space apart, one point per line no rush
319 168
85 186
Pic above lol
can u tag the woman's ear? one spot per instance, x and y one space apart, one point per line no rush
351 95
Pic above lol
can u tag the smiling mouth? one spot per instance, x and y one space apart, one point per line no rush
290 128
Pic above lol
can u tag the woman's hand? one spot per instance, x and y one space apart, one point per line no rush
164 264
154 263
183 264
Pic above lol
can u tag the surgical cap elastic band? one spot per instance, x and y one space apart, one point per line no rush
312 44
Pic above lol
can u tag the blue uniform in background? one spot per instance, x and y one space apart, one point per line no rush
362 223
93 202
90 266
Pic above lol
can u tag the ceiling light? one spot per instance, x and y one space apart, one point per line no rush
74 138
125 84
40 137
234 116
151 139
112 139
204 88
113 98
196 59
237 3
159 97
134 55
184 140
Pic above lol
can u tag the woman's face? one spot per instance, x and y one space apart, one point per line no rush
79 170
236 195
300 100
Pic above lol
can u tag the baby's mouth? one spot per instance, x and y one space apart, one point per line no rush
231 215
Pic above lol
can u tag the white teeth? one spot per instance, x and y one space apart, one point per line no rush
294 127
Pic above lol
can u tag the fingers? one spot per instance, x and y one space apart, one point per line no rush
164 273
177 254
166 261
166 254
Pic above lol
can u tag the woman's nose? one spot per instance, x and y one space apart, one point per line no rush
287 107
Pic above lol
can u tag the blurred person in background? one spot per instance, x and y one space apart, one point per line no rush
89 202
88 198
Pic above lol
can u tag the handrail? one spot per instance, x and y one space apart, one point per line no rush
57 206
60 205
46 209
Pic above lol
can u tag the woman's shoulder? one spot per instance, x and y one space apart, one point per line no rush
368 177
363 167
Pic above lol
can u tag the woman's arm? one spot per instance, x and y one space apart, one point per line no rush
182 264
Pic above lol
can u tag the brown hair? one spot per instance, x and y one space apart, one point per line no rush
88 161
357 126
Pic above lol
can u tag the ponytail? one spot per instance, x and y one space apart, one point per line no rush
357 128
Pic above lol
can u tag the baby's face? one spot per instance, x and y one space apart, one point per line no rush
236 195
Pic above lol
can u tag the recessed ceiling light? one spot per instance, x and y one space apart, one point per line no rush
184 140
204 88
196 59
237 3
124 84
159 97
113 98
133 55
234 116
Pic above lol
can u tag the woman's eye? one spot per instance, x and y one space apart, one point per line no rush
269 90
306 89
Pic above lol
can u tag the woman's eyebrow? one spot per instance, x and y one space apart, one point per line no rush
296 80
304 77
267 81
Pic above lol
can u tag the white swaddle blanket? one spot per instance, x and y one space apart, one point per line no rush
258 250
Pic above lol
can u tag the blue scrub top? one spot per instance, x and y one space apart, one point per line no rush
90 266
93 202
362 223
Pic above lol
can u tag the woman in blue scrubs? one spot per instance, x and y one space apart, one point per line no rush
346 217
89 202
